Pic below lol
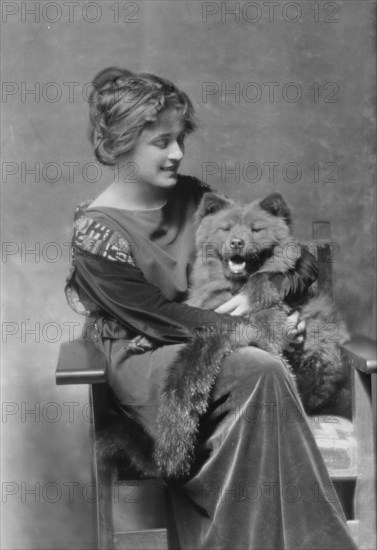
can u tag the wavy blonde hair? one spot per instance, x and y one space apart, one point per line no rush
124 104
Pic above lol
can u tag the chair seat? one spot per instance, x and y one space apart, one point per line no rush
336 440
139 512
138 505
142 540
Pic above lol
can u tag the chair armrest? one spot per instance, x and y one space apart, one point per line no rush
80 362
361 353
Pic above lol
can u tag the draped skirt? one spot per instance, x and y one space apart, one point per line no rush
258 481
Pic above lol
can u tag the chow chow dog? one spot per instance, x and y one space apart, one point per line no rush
239 249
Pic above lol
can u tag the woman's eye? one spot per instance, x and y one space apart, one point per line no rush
161 143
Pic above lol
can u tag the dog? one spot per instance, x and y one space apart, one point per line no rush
239 249
236 243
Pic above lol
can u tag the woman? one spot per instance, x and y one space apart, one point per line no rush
258 480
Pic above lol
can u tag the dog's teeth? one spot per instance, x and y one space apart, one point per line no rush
236 267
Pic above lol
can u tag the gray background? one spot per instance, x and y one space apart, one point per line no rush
49 450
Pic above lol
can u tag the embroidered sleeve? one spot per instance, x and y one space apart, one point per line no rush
98 240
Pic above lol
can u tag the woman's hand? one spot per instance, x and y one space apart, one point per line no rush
238 305
294 330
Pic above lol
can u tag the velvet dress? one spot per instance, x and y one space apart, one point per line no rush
258 480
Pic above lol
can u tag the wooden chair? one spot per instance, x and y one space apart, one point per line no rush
134 513
131 510
349 446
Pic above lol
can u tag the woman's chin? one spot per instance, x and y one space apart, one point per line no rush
168 180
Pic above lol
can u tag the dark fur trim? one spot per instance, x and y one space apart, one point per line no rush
189 381
185 398
121 437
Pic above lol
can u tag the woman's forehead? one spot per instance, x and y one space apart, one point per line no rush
168 122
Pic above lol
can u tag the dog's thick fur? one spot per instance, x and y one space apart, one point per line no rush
238 247
264 229
257 234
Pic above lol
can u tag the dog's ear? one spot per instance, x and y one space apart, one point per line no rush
210 204
276 205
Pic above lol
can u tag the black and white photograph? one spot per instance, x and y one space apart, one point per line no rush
188 220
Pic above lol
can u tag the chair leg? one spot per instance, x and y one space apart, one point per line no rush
365 497
131 512
173 537
102 474
104 509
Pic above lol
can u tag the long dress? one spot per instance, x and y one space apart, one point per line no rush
258 480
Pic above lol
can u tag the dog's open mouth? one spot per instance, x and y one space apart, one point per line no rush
237 265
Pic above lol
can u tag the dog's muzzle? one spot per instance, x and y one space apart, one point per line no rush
237 264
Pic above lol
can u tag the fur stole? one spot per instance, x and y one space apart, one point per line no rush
190 379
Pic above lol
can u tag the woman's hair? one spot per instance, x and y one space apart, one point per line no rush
124 104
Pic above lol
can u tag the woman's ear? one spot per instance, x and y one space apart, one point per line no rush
210 204
275 204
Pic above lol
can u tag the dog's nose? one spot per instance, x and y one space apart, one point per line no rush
237 243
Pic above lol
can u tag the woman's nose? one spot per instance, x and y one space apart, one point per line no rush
176 151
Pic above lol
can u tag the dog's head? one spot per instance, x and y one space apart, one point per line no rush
242 237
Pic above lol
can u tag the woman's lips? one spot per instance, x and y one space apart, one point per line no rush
170 169
170 172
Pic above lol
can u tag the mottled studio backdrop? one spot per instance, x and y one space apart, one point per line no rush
285 95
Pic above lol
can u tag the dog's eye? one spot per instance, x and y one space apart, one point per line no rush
225 228
256 229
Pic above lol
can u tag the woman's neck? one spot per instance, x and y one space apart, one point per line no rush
131 196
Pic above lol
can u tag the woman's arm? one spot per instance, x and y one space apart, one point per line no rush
121 292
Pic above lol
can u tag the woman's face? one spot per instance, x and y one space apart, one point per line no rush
158 154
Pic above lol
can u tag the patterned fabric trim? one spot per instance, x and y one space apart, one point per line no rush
99 240
72 295
99 328
140 344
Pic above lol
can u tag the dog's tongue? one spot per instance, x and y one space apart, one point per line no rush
237 266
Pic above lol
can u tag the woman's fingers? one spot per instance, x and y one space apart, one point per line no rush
292 320
228 307
240 310
295 329
238 305
301 327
